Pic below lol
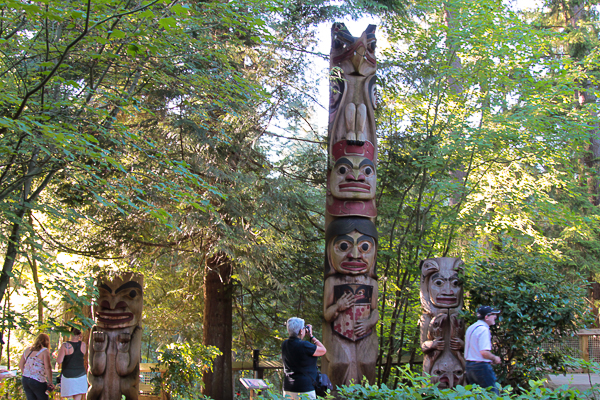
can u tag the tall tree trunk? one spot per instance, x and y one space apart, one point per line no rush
456 89
218 305
12 249
28 196
36 280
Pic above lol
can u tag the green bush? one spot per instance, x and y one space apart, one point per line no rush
417 387
182 366
12 388
539 305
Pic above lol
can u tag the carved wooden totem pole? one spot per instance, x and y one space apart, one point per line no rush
442 331
116 339
350 292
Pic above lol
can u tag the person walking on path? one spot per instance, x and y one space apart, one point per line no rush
74 379
36 369
300 360
478 346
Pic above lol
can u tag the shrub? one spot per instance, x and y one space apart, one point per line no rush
417 387
538 304
182 366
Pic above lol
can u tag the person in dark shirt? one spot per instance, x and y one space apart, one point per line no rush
74 380
300 360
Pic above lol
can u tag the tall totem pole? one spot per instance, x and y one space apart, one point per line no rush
350 292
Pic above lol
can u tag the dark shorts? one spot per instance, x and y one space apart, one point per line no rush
482 374
34 390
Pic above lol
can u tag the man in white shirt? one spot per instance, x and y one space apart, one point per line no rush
478 346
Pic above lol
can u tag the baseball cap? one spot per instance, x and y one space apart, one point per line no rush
483 311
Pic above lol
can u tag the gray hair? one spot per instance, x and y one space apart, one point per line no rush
294 326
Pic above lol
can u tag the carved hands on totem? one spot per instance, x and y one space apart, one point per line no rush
123 342
99 342
346 301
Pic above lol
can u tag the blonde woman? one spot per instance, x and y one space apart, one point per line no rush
36 369
74 380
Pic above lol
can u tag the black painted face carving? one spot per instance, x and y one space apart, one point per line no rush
352 254
120 302
444 288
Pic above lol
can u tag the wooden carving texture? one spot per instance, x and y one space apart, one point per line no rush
350 290
442 331
116 340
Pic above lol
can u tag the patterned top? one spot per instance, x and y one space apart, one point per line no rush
34 366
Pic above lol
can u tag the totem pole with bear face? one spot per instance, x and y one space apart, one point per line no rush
442 331
351 291
116 340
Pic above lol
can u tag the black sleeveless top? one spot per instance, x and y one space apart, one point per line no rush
72 365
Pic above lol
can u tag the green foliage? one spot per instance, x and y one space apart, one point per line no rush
182 366
417 387
479 149
539 307
12 389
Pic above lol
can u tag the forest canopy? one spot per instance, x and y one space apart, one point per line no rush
181 139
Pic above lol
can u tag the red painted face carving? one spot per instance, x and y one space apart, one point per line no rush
353 178
352 254
120 303
444 288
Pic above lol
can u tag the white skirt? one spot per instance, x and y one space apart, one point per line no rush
73 386
299 396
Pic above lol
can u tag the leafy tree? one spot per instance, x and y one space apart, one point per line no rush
468 171
539 308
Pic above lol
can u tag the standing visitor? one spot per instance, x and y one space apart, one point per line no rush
300 360
36 370
478 346
74 380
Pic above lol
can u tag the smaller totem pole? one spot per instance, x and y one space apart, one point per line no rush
116 339
442 331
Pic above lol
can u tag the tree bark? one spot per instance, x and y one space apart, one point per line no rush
456 89
36 280
218 304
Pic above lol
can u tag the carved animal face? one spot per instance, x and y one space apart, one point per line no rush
120 302
444 288
448 371
441 287
353 177
352 253
358 53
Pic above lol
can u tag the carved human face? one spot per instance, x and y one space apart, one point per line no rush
119 303
444 288
353 253
353 178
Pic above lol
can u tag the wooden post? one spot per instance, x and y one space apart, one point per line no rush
584 349
258 372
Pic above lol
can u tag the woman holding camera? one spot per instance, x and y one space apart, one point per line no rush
300 360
